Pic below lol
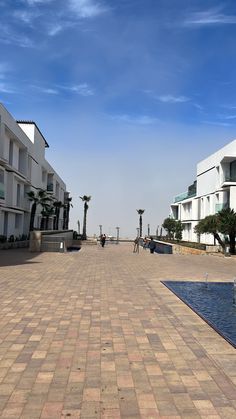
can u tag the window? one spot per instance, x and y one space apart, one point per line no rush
17 220
11 152
18 195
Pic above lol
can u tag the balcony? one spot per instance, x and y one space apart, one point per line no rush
219 207
229 179
50 187
184 195
2 191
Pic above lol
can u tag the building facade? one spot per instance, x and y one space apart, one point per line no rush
213 190
23 168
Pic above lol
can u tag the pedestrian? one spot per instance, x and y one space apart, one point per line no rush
103 240
152 245
145 243
136 245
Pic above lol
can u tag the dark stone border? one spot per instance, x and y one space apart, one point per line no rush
201 315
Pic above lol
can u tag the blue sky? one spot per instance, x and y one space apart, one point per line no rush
130 95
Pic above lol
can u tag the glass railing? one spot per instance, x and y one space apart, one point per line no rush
2 191
219 207
229 178
184 195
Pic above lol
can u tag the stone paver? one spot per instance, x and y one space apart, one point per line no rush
95 334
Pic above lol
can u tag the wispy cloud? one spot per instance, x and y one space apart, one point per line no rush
8 36
139 119
5 88
54 29
82 89
86 8
218 123
209 17
47 90
173 99
33 2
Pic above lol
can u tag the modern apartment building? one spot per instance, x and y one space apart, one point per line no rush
213 190
23 168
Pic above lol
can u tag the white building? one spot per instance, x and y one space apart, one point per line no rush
23 168
214 189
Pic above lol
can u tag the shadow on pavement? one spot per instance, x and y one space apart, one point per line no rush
14 257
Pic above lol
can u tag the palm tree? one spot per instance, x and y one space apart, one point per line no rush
85 199
47 212
41 198
66 213
57 205
140 212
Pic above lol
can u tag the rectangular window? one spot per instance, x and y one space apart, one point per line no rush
11 152
18 195
17 220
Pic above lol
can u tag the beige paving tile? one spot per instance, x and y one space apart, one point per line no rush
96 335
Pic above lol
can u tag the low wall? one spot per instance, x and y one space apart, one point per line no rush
178 249
50 241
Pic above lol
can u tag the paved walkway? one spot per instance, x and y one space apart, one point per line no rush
95 334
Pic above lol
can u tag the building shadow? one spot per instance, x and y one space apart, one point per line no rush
14 257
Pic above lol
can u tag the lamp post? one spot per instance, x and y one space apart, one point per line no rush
157 231
117 234
148 226
78 226
100 226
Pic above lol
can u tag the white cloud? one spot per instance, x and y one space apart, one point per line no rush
86 8
81 89
217 123
46 90
4 88
139 119
33 2
173 99
55 29
8 36
209 17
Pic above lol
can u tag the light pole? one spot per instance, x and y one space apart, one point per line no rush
100 226
148 226
117 234
78 226
157 231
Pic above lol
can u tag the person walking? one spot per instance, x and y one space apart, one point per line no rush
103 240
136 245
152 245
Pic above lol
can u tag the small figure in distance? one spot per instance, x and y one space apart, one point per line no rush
136 245
103 240
145 243
152 245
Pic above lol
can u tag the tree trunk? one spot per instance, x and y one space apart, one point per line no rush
32 216
85 221
140 226
232 243
217 237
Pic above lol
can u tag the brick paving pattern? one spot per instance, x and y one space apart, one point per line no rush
95 334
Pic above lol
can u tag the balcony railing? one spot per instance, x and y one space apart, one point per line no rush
2 191
184 195
219 207
50 187
229 178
